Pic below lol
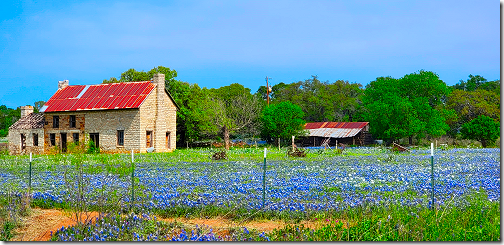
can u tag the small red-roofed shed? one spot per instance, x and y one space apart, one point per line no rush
328 133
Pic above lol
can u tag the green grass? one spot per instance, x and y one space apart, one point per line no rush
7 231
480 221
181 156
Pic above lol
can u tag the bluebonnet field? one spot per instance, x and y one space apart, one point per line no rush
358 178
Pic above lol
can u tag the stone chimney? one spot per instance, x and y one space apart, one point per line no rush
26 110
159 128
62 84
159 79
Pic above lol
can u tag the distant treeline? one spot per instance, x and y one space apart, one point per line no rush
416 106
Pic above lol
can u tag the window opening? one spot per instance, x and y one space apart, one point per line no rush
120 137
72 121
55 121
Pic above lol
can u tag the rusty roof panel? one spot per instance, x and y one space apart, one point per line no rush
99 97
313 125
334 132
335 129
335 125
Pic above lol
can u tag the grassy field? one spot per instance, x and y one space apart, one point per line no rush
380 195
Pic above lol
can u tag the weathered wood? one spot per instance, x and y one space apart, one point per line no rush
219 155
296 152
398 147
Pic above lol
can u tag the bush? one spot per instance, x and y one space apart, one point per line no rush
483 129
91 148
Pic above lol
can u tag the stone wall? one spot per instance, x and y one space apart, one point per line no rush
64 127
104 122
158 114
14 138
108 122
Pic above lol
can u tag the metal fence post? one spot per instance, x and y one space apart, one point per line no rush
132 180
30 179
432 175
264 178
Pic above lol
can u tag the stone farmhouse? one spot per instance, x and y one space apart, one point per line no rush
117 117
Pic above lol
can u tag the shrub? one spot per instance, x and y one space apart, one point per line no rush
91 148
483 129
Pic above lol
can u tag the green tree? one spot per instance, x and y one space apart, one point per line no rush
8 117
406 107
193 117
275 90
37 105
471 84
282 120
424 84
470 104
235 110
483 128
321 101
393 118
133 75
493 86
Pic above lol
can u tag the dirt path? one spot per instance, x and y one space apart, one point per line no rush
39 224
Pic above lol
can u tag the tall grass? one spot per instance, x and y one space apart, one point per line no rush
478 221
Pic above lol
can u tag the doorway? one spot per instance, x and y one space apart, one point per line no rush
95 137
149 139
63 142
23 142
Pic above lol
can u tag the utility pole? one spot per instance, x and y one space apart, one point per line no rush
268 89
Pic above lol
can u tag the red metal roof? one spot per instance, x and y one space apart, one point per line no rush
335 129
99 97
314 125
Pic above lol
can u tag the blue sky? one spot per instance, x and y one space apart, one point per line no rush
216 43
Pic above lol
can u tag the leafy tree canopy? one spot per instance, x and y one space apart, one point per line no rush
37 105
405 107
477 82
193 118
8 117
282 121
470 104
133 75
235 110
320 101
483 128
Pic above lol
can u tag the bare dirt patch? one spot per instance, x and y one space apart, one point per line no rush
41 222
222 226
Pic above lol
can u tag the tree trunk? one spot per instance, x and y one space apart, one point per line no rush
483 143
411 140
226 137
